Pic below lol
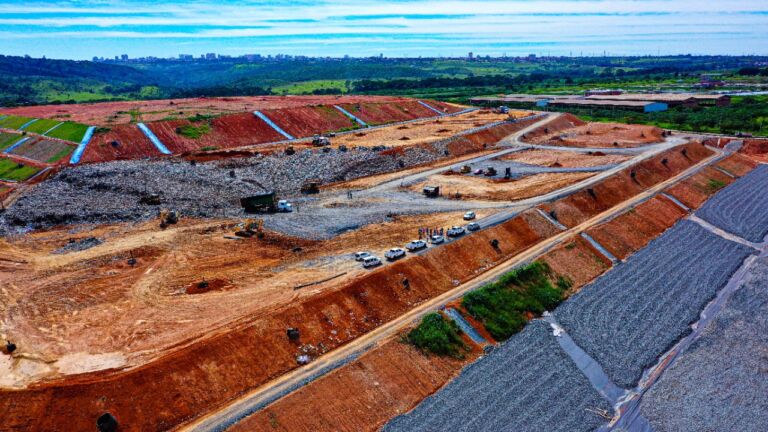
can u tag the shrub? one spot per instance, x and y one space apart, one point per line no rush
438 335
192 131
715 185
502 306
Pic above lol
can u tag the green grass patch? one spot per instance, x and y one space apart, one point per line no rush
69 131
7 140
42 126
14 122
714 185
197 118
193 131
438 335
502 306
10 170
209 148
61 154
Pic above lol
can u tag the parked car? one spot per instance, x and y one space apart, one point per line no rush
371 261
473 226
470 215
479 171
437 239
359 256
416 245
455 231
284 206
394 253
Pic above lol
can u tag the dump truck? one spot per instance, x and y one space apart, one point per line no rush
490 171
320 141
265 203
432 191
311 187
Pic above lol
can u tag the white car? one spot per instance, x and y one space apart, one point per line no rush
394 253
469 216
359 256
455 231
284 206
416 245
473 226
437 239
371 261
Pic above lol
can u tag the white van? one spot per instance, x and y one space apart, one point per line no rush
371 261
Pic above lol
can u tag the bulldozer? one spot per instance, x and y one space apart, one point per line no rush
251 227
466 169
168 217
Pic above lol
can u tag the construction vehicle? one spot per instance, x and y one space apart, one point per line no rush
265 203
320 141
431 191
168 217
150 199
502 109
251 227
311 187
466 169
490 171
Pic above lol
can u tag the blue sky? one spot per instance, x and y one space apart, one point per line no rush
82 29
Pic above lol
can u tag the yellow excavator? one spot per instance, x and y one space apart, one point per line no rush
168 217
250 227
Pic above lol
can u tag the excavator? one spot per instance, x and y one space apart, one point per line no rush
168 217
250 227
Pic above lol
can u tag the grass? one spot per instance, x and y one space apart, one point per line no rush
10 170
193 131
8 139
503 306
61 154
715 185
209 148
69 131
438 335
307 87
14 122
42 126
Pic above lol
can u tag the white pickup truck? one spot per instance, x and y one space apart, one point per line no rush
394 254
416 245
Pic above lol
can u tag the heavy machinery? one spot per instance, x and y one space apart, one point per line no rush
150 199
320 141
466 169
502 109
168 217
311 187
265 203
431 191
490 172
250 227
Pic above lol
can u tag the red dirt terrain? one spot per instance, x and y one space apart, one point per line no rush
577 260
306 121
578 207
564 122
737 165
757 149
385 382
381 113
632 230
695 190
569 131
114 113
121 142
210 371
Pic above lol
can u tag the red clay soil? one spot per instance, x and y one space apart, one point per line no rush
113 113
566 121
302 122
480 140
695 190
381 113
131 144
737 164
363 395
756 148
211 371
632 230
576 260
445 107
578 207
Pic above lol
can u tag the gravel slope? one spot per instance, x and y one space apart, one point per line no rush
741 207
527 384
635 312
721 382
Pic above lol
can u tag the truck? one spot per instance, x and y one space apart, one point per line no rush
320 141
265 203
431 191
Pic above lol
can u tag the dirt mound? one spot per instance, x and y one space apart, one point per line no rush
756 148
564 122
119 143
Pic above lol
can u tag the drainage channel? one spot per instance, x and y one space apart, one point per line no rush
51 129
722 233
155 140
15 146
676 201
586 364
78 153
724 172
599 247
552 220
274 126
25 125
465 326
352 116
426 105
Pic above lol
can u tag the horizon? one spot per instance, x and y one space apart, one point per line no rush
81 30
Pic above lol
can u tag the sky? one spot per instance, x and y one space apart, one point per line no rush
80 29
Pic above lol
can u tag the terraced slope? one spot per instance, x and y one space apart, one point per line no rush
528 384
14 171
69 131
634 313
706 390
9 139
307 121
43 150
741 208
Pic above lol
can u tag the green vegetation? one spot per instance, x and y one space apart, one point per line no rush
714 185
502 306
193 131
209 148
42 126
70 131
14 171
438 335
199 117
8 139
14 122
61 154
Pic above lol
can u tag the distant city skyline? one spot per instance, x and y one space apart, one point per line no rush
80 29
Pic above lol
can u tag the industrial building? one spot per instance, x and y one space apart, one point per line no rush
646 107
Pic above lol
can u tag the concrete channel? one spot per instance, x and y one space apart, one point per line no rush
426 105
273 125
78 153
599 247
465 326
155 140
352 116
676 201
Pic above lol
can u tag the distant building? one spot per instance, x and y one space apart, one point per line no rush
186 57
124 57
471 55
210 56
601 92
